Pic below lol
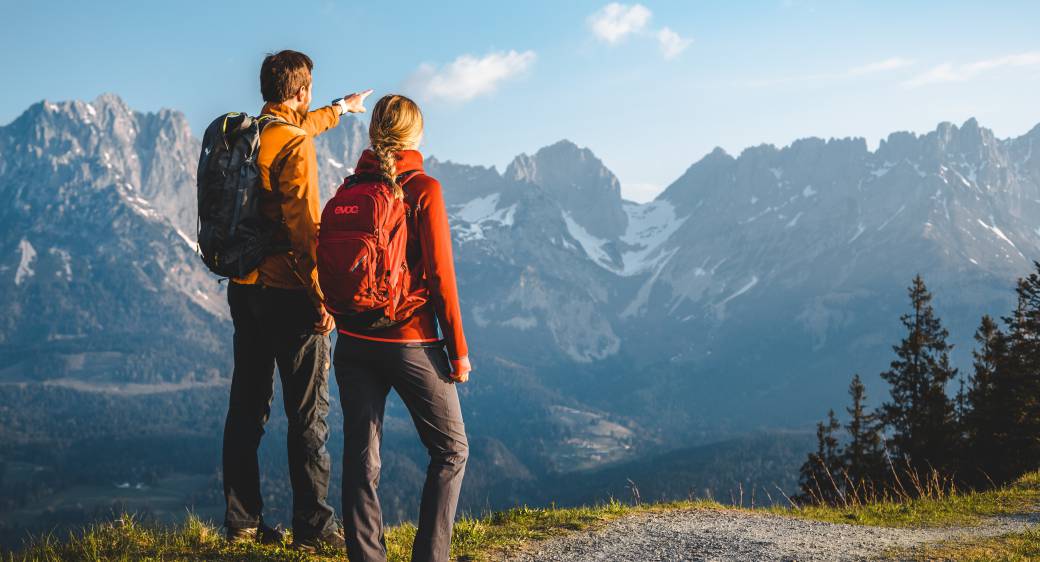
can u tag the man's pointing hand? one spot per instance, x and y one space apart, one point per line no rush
354 103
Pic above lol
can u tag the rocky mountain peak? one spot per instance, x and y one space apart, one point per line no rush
149 156
584 187
338 151
713 169
970 143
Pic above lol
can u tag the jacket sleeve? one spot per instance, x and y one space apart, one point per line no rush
435 240
320 120
301 212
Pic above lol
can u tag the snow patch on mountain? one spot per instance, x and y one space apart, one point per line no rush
891 218
474 216
66 263
642 298
521 322
26 260
187 239
996 231
860 229
880 171
650 226
747 287
142 207
591 245
794 221
720 308
759 215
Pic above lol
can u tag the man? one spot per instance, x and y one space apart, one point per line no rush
279 319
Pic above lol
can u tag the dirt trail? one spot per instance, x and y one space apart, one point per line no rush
734 535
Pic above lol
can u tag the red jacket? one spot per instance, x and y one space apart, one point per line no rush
429 259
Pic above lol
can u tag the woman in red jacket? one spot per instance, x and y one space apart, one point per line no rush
409 357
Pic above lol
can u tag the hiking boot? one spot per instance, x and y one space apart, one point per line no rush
269 535
264 534
242 535
332 540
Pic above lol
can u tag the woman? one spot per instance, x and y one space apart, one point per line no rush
408 357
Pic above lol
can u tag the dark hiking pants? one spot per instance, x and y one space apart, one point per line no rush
276 327
366 371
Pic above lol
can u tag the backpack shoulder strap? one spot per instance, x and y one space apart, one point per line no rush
268 119
355 179
403 178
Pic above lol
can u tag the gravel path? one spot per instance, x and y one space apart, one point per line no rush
732 535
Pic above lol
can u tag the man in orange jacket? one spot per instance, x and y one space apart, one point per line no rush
280 320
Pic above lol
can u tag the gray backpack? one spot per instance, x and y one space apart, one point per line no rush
233 236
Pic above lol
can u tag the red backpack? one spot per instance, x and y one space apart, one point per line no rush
362 267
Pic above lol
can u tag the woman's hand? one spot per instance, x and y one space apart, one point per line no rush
460 369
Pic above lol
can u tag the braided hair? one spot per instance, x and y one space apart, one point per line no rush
396 125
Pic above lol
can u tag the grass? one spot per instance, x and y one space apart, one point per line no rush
489 537
936 510
483 538
1013 547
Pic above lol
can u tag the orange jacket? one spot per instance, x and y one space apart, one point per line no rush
429 259
290 196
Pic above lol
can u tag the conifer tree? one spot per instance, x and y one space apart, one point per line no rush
862 458
920 414
820 477
1016 390
987 406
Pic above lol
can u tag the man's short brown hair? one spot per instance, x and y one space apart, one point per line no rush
283 74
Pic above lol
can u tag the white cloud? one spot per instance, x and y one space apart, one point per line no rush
468 76
894 63
949 72
672 45
614 21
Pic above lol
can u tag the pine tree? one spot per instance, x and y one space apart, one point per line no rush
1017 389
920 414
987 406
862 458
820 477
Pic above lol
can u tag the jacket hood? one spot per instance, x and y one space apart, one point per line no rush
407 160
284 113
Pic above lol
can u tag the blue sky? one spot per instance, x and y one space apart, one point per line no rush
650 87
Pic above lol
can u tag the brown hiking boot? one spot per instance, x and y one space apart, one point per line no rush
332 540
264 534
241 535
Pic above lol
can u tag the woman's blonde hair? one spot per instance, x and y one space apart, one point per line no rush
396 125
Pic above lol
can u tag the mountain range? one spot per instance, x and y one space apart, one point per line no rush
604 332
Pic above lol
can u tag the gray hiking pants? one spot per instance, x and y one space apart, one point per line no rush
366 371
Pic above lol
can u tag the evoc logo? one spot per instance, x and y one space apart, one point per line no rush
345 210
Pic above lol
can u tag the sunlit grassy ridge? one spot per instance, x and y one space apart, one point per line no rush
938 509
1013 547
484 538
487 538
473 539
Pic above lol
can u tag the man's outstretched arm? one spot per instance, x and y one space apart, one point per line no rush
320 120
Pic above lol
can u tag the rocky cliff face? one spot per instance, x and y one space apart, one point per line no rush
753 285
98 269
746 293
